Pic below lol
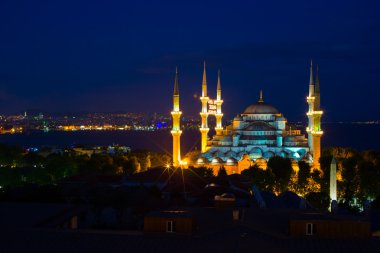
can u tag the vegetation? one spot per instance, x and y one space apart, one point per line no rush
222 172
202 172
358 175
263 179
18 167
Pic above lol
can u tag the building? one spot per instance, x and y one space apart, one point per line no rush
255 135
20 215
328 226
170 221
258 133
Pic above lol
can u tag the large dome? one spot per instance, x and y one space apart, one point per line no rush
260 108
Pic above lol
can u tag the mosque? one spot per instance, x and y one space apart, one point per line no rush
255 135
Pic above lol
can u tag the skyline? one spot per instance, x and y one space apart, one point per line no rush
98 57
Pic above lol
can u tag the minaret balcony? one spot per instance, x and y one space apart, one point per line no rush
176 112
317 133
314 113
176 132
204 99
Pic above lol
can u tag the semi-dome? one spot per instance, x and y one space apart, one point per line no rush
260 107
202 160
216 160
231 161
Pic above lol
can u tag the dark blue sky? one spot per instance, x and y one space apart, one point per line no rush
86 56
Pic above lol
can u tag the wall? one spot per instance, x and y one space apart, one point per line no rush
331 228
184 225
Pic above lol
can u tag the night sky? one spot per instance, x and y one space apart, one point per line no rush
117 56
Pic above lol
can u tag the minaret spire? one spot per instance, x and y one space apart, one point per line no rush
219 102
311 82
317 102
176 90
317 81
204 81
218 88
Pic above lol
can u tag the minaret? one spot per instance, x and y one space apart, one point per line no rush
176 131
314 115
317 134
310 101
219 102
204 113
333 180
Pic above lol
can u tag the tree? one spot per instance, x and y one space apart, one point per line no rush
369 180
302 177
202 171
282 171
263 179
350 181
9 176
33 159
135 164
222 172
159 160
142 160
324 173
10 155
319 200
148 162
303 173
376 203
59 166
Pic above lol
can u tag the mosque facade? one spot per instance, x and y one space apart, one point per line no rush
258 133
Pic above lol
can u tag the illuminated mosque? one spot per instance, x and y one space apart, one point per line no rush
255 135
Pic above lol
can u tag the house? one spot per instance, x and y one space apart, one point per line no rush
170 221
225 200
37 215
328 226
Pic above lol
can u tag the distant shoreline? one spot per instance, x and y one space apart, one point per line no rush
354 135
